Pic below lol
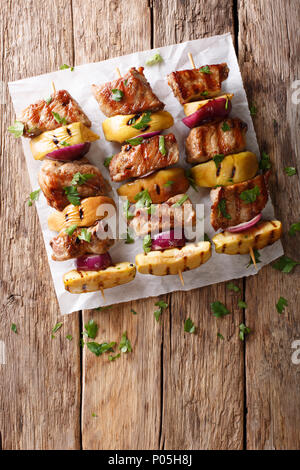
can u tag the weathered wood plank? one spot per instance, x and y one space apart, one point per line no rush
125 394
40 383
202 374
269 59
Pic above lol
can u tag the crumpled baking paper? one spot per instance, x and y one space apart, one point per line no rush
219 268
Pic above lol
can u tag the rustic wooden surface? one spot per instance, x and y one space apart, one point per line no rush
174 391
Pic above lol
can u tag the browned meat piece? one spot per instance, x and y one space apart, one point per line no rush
164 217
138 160
195 84
38 117
229 209
224 137
70 246
137 95
54 176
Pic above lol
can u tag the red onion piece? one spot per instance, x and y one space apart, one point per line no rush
148 135
73 152
165 240
245 225
147 174
216 108
93 262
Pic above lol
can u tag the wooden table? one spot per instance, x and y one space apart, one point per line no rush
174 391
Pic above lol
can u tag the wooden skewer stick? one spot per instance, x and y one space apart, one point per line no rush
102 293
118 72
53 87
253 257
181 278
191 60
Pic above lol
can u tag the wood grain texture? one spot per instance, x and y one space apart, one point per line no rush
269 60
202 374
40 382
125 394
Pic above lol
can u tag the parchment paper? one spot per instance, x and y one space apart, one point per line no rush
219 268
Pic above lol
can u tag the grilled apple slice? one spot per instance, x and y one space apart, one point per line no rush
79 282
72 134
119 128
190 108
263 234
234 168
161 185
174 260
84 215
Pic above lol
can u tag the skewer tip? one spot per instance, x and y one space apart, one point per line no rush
191 60
253 257
181 278
53 87
118 72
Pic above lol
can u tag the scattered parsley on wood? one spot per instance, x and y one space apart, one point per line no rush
133 312
242 304
244 331
189 326
14 328
16 129
117 94
99 349
294 228
162 305
220 336
233 287
69 337
155 59
56 328
290 170
265 162
219 310
91 329
113 358
281 304
285 264
253 110
250 195
65 66
125 345
34 196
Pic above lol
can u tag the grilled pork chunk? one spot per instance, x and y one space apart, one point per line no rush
164 217
70 246
54 176
195 84
224 137
229 207
39 117
136 95
138 160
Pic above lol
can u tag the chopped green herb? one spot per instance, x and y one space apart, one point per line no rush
250 195
17 129
230 180
253 110
204 93
33 196
85 235
162 147
218 158
69 337
70 230
99 349
127 213
129 236
233 287
133 312
107 161
14 328
205 69
168 183
59 119
56 328
65 66
125 345
80 178
162 305
146 118
143 199
113 358
242 304
206 238
155 59
48 100
219 310
134 141
188 175
220 336
256 257
91 329
94 415
181 201
285 264
72 195
290 170
225 127
125 82
294 228
64 144
117 94
222 209
244 330
265 162
147 243
226 104
281 304
189 326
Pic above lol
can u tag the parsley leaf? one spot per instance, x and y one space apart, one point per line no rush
80 178
147 243
226 104
17 129
101 348
219 310
70 230
34 196
14 328
206 238
242 304
59 119
125 345
168 183
64 144
220 336
222 209
189 326
285 264
65 66
290 170
113 358
133 312
143 199
218 158
146 118
135 141
256 257
69 337
117 94
233 287
205 69
72 195
181 201
281 304
48 100
244 330
189 177
127 213
204 93
91 329
56 328
162 147
253 110
107 161
265 162
85 235
294 228
162 305
225 127
129 236
250 195
155 59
